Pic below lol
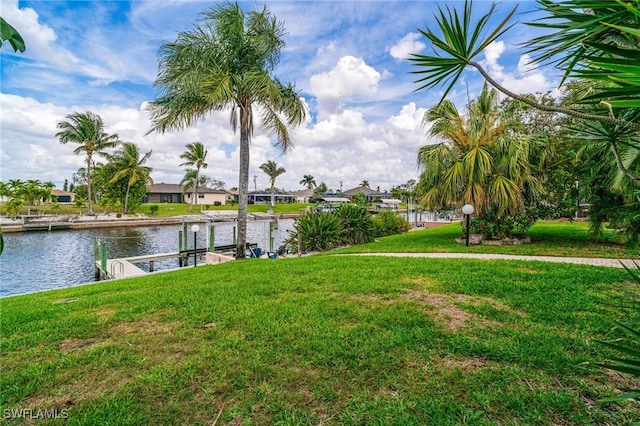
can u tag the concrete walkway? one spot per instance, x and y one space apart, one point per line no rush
610 263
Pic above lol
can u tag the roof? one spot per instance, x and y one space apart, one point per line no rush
174 188
303 193
335 200
360 189
390 201
59 192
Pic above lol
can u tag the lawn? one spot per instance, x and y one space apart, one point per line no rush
331 340
547 239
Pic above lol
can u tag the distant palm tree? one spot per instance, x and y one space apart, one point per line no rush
130 165
226 64
195 155
273 171
321 189
308 181
192 179
86 129
365 183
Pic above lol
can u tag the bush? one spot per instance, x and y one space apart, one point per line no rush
314 232
217 203
355 223
492 226
153 209
389 223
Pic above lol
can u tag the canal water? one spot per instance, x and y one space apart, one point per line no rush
36 261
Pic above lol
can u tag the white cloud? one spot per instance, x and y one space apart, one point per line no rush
526 79
350 78
408 44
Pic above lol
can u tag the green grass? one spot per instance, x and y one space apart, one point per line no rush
321 340
547 239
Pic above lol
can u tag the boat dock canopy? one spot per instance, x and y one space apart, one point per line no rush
334 200
230 216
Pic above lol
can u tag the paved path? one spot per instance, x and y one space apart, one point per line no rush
610 263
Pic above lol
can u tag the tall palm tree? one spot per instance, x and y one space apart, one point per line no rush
482 161
87 130
308 181
365 183
226 63
273 171
130 165
195 156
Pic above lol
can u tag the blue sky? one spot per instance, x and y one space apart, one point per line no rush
348 59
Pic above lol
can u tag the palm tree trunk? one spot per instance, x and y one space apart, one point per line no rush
89 184
195 189
273 202
243 184
126 200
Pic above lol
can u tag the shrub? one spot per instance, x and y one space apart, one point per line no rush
217 203
153 209
355 223
389 223
314 232
492 226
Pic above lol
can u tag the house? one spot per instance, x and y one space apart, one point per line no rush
174 193
62 196
302 196
258 197
370 194
164 193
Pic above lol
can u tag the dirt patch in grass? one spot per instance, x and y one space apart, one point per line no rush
468 364
84 386
72 344
447 307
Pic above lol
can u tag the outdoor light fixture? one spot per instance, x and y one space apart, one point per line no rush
467 210
195 228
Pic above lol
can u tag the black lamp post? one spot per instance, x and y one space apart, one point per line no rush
467 210
195 228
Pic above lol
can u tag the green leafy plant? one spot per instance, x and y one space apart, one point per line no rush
389 223
629 343
315 232
153 209
355 223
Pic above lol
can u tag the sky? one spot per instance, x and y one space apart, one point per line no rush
348 59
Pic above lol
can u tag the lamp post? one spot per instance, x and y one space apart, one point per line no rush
467 210
195 228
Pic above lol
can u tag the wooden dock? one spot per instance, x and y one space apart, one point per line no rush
125 267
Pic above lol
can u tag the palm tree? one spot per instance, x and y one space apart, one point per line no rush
226 64
86 129
273 171
308 181
365 183
483 161
195 155
192 179
586 42
130 165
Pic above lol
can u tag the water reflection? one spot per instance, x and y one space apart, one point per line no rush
34 261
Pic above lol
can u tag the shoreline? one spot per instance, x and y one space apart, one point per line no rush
92 222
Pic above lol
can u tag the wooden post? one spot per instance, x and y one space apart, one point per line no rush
184 236
103 257
151 266
212 238
95 258
271 226
180 241
235 236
